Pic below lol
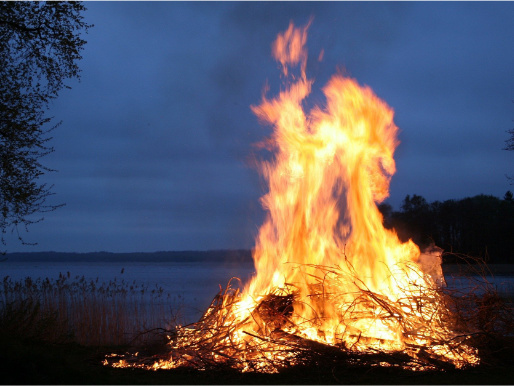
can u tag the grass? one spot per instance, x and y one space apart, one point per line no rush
59 331
90 312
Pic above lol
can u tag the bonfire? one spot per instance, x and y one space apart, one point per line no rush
330 281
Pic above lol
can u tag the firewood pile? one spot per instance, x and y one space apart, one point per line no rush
268 339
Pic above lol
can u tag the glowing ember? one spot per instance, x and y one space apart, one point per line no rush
329 276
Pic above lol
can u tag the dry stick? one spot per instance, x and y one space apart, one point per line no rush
220 336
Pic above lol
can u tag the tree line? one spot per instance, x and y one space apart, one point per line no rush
479 227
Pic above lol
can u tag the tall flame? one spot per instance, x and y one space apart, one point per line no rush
327 271
331 167
323 232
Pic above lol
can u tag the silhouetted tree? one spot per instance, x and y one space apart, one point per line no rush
510 142
480 226
509 145
387 211
446 225
40 46
414 220
506 229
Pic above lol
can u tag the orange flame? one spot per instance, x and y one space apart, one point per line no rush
342 279
329 170
331 167
289 49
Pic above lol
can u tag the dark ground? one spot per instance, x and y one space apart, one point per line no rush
36 361
29 362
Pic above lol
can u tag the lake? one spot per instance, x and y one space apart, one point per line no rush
191 285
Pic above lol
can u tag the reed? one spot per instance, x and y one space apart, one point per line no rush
87 312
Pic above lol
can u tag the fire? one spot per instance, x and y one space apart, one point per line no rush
328 274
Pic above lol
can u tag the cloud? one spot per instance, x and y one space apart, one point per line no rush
156 139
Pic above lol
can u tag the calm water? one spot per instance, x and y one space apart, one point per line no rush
191 286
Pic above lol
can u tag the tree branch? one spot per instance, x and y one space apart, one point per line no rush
19 27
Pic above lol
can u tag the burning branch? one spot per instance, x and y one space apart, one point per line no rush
268 340
331 281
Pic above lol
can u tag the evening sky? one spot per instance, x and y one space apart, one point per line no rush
155 149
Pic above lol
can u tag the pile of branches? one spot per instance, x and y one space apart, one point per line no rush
445 323
480 307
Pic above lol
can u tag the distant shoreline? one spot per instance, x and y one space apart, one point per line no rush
242 255
234 256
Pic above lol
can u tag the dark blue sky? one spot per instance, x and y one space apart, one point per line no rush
155 147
